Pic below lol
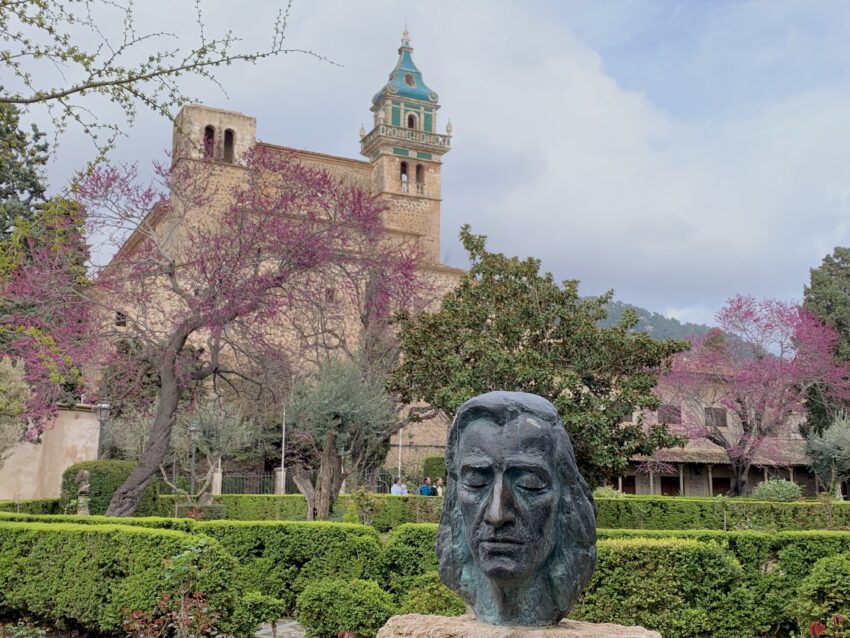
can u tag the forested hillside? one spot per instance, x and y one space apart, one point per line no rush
653 323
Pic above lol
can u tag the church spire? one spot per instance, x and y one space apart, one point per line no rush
406 79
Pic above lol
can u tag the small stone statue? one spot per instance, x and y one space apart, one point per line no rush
517 537
83 489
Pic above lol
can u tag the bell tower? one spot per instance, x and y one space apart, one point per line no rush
405 151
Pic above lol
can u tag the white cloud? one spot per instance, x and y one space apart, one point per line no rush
719 174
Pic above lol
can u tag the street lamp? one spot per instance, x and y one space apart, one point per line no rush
193 434
101 411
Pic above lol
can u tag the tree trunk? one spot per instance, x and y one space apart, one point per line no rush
126 498
741 480
301 478
329 480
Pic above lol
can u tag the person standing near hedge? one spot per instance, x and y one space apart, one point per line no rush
398 488
426 489
439 487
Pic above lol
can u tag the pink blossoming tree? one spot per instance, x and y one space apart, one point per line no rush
213 278
45 322
775 353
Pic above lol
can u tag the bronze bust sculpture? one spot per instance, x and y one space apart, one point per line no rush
517 536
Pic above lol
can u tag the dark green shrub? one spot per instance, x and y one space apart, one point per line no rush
681 588
105 477
82 576
262 507
279 558
428 595
662 512
329 606
180 524
32 506
409 552
211 512
824 593
256 608
434 466
778 490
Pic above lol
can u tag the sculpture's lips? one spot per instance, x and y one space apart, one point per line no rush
501 541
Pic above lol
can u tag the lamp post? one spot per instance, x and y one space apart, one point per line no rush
101 411
193 434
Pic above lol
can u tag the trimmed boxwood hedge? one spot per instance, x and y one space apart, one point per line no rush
105 477
664 512
32 506
628 512
279 558
329 606
82 576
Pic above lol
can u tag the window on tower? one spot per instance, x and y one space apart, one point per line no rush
411 120
209 141
420 178
404 177
228 145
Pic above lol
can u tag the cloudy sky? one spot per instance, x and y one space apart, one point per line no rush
677 151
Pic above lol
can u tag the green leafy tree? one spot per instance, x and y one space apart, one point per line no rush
828 297
509 327
339 423
14 394
829 453
23 156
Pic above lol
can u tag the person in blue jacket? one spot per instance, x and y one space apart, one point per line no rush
426 489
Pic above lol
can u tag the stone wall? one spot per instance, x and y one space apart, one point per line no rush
35 470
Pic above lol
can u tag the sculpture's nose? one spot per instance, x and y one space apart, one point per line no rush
500 508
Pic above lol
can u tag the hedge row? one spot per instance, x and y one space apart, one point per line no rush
683 583
32 506
83 576
385 512
636 582
637 512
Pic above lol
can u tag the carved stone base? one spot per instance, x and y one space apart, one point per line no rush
419 626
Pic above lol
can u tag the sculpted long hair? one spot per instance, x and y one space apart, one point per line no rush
573 558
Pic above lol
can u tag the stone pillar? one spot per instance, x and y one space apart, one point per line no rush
765 472
651 482
215 489
681 479
620 484
280 481
710 481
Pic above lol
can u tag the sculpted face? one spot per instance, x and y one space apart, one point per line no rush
508 495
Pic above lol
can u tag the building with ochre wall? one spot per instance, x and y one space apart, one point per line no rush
403 154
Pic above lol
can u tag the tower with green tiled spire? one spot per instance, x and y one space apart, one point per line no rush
405 149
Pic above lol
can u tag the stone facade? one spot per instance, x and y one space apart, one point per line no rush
403 164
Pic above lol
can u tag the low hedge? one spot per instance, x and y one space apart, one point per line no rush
32 506
772 566
279 558
105 477
664 512
628 512
82 576
682 588
327 607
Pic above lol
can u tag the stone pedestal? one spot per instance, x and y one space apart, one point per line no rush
419 626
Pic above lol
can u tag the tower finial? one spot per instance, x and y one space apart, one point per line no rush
405 37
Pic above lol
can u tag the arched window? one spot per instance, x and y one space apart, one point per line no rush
404 177
209 141
420 178
228 145
411 120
